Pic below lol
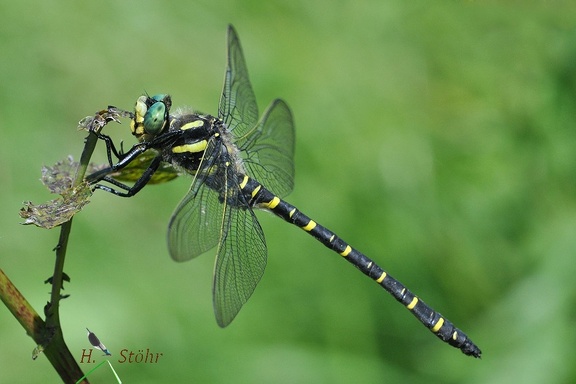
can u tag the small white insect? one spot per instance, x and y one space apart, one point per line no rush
93 339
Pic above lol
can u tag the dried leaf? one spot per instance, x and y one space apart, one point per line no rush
57 211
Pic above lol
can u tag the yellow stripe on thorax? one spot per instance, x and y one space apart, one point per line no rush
192 148
192 124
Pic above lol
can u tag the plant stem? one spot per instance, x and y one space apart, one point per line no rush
52 311
56 349
21 309
48 334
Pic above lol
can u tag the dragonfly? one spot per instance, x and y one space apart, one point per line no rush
239 163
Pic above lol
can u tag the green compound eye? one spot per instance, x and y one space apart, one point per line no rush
160 97
155 118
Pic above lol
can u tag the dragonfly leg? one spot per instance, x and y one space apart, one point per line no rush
138 185
126 158
110 148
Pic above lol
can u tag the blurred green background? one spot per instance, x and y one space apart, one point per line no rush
438 139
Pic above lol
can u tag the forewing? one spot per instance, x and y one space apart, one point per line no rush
268 149
195 225
238 108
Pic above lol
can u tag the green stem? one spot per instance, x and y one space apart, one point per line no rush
48 335
21 309
56 351
56 347
52 312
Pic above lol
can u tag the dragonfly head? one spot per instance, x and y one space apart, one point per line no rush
150 116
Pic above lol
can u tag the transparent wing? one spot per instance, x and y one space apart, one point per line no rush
206 218
195 225
268 149
237 107
241 258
